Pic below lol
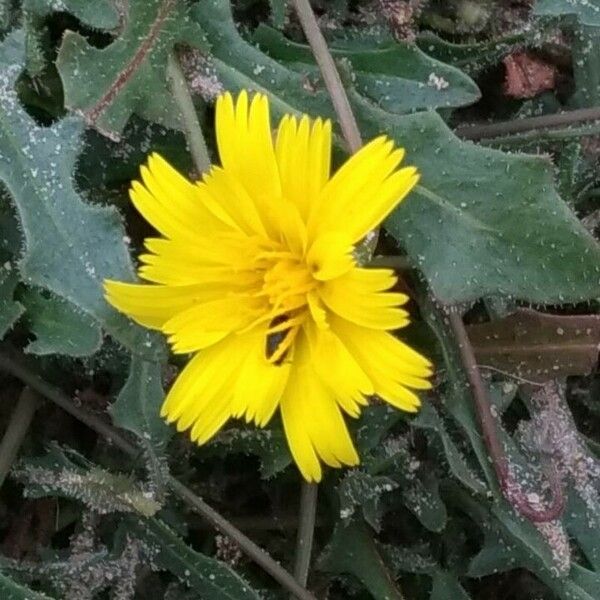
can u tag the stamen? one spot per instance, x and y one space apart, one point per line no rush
269 316
287 324
283 346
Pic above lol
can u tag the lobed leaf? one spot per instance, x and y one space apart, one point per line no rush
429 419
352 550
130 73
58 327
100 14
208 577
398 77
473 57
70 247
137 407
72 476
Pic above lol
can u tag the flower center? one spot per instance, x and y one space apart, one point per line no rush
287 280
286 284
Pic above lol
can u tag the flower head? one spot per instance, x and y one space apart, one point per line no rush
254 273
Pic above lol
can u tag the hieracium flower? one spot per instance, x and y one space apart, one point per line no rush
254 273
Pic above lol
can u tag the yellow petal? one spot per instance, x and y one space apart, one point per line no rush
391 365
259 383
205 324
231 197
351 175
314 426
171 203
317 310
330 256
351 297
291 226
214 260
303 153
385 199
213 418
160 269
338 369
246 149
364 191
207 379
153 305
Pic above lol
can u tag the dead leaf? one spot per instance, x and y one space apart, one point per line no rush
527 75
538 346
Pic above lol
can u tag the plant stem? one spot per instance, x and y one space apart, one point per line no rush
123 77
494 130
306 530
18 425
13 366
257 554
183 98
545 136
331 76
484 411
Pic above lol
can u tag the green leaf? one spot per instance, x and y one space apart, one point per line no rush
487 223
584 527
398 77
10 309
10 243
374 424
506 524
429 419
586 11
279 10
352 550
363 490
73 476
583 584
130 73
208 577
500 554
268 444
472 58
509 542
11 590
70 247
421 496
100 14
58 327
586 64
484 222
137 407
447 587
413 559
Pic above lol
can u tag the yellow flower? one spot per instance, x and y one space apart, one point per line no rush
254 273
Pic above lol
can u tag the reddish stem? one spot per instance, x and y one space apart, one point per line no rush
93 114
511 488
